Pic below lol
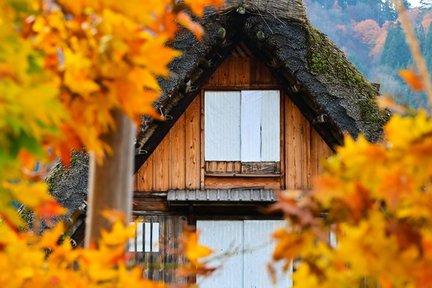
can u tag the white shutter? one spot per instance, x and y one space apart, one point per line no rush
251 240
260 125
259 248
147 236
222 126
242 126
155 237
251 126
139 237
223 237
270 123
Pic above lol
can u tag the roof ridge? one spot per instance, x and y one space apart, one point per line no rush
283 9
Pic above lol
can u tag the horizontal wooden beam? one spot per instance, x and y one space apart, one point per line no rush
210 174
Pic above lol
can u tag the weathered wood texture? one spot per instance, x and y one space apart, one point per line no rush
161 262
150 202
178 161
222 167
241 182
175 164
304 148
238 72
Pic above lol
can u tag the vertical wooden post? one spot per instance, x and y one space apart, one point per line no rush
110 182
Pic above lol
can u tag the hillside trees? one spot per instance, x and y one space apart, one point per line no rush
372 60
395 52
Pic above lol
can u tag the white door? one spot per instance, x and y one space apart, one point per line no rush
225 238
244 249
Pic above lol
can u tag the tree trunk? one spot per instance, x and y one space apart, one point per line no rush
110 182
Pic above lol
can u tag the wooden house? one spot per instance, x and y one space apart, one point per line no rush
249 111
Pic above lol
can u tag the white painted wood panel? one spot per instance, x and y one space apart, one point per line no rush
224 237
139 237
155 237
147 236
270 125
258 247
222 126
251 105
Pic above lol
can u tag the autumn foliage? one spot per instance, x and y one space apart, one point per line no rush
375 199
65 66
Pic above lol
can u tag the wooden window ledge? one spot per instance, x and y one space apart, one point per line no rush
242 175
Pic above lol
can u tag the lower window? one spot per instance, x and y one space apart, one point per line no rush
245 248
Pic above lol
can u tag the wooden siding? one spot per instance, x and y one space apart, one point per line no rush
243 168
222 167
178 161
241 73
304 148
212 182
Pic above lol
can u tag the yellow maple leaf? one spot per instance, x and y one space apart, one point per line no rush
192 249
118 235
156 63
29 194
51 237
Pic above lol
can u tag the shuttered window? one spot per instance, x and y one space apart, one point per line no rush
146 237
242 249
242 126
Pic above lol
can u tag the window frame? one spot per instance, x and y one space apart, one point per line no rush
239 168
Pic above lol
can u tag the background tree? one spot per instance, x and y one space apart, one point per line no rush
340 25
396 53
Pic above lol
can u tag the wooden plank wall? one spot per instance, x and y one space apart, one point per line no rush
241 73
304 149
178 161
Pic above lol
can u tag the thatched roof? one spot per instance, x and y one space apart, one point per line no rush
327 88
69 185
330 92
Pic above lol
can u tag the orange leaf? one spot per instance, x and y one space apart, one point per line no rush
118 235
50 238
197 7
412 79
185 20
49 209
27 159
193 251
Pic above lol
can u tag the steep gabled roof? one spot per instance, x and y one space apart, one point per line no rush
327 88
